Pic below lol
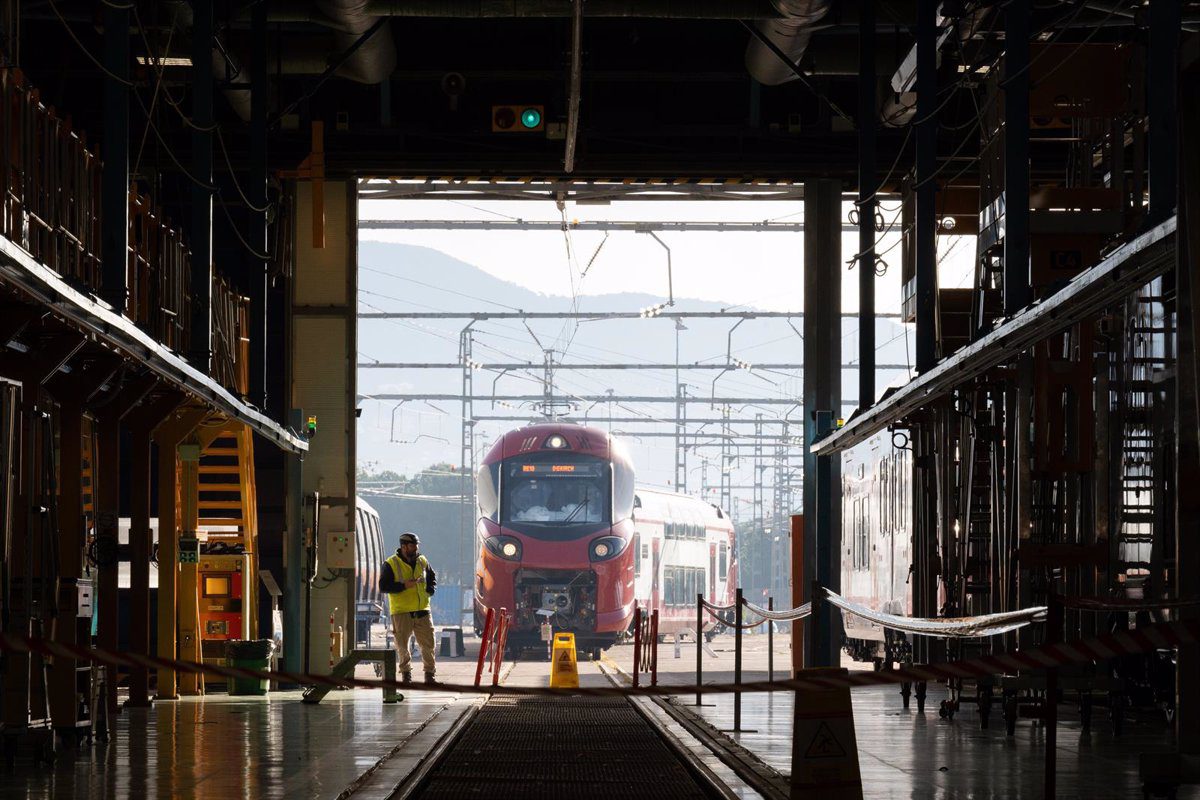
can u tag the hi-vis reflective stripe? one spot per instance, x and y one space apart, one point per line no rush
1142 640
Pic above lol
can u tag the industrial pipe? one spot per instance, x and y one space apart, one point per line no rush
375 59
790 33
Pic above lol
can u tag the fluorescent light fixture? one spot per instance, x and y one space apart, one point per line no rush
168 61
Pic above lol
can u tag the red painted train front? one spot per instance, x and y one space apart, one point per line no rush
555 531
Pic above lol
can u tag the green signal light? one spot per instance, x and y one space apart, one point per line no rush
531 118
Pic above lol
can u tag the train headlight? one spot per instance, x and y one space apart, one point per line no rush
556 442
606 547
505 547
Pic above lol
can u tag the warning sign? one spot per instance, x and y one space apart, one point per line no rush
564 673
824 750
824 744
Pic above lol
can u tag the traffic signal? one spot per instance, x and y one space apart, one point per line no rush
518 119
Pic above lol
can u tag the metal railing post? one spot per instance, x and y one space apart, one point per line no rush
737 661
654 648
699 646
1054 625
770 641
637 643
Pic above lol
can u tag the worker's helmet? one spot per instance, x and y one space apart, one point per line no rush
410 538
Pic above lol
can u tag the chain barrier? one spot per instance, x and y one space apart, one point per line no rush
780 615
1126 604
1099 648
950 628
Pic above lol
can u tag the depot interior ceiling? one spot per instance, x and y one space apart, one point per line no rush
414 92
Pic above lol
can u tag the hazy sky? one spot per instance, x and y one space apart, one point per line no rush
761 270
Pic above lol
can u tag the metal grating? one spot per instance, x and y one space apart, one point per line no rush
552 748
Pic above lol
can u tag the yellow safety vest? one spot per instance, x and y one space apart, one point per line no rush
409 600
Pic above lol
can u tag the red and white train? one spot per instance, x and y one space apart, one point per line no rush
565 536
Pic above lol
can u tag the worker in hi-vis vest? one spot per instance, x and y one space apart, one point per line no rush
408 581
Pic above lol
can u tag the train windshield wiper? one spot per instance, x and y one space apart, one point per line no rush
583 504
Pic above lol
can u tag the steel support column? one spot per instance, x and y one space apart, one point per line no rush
168 435
114 179
108 509
1187 397
141 537
62 679
926 188
1016 156
293 558
822 388
1163 103
256 267
200 234
867 115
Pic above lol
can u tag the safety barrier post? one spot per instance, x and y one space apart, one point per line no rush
498 650
637 642
654 648
483 645
737 661
814 597
770 641
1054 625
699 647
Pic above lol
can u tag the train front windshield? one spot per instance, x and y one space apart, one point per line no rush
555 491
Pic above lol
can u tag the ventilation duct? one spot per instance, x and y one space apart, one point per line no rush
376 58
790 34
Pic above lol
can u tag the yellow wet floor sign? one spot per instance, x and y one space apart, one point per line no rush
564 674
824 750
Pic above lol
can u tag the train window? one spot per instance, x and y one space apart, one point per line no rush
487 490
623 486
723 560
637 555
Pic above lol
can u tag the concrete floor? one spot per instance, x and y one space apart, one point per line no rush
223 747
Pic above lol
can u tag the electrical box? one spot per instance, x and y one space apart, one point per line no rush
339 550
84 608
220 584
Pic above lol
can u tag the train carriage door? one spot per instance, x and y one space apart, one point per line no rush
656 575
712 571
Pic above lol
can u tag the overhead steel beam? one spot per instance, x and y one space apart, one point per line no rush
607 226
592 398
47 288
595 190
538 9
1128 267
596 315
558 366
636 420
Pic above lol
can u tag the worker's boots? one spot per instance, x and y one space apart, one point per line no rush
406 677
430 677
